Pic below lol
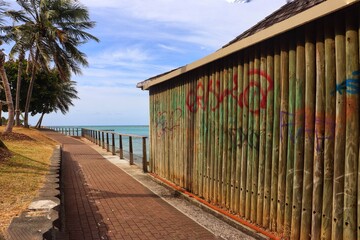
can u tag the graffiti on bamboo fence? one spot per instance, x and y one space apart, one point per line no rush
249 137
200 97
168 121
322 129
350 85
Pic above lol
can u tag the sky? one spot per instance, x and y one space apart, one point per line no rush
140 39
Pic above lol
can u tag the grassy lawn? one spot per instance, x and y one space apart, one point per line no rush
23 173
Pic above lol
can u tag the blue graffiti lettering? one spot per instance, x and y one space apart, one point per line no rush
350 85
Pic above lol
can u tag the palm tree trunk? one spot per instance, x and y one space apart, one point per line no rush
38 125
7 90
1 105
29 93
18 88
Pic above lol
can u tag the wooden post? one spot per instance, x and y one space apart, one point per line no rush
131 155
113 143
99 137
144 159
340 131
319 134
291 133
284 103
103 139
107 142
262 141
269 137
299 140
121 151
330 85
244 137
308 133
239 141
276 139
255 139
352 128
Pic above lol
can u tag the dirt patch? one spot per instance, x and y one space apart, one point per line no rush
4 154
15 137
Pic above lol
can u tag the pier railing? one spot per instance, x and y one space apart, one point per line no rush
127 146
67 131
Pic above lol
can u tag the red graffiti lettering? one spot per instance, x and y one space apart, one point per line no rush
199 98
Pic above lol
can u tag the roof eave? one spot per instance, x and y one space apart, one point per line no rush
302 18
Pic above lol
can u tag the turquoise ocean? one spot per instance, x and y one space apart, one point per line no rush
139 130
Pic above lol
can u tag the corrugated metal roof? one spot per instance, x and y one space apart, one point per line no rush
288 10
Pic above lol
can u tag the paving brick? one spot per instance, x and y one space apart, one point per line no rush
102 201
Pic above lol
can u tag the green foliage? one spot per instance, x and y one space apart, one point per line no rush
50 93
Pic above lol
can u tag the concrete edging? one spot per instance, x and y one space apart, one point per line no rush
42 218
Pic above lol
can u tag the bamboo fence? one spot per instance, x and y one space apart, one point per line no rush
271 132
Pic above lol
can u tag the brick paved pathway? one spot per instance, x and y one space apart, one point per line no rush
103 202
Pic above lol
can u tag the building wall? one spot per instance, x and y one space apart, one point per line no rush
271 133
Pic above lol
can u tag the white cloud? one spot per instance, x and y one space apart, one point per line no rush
141 39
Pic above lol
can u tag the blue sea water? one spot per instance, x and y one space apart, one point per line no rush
134 130
122 129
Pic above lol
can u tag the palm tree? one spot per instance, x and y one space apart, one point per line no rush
55 28
4 79
61 100
9 101
12 34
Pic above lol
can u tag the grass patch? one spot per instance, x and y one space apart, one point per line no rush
23 173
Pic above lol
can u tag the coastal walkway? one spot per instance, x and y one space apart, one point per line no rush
102 201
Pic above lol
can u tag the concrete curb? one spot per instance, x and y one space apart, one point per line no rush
41 219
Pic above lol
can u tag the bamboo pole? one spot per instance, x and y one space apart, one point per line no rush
225 159
204 150
284 76
319 133
221 141
228 129
217 141
276 139
308 134
352 128
233 134
192 152
212 138
240 72
262 142
340 134
299 143
250 140
255 139
330 85
244 137
358 183
291 136
269 137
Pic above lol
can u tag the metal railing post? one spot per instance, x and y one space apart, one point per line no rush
144 160
99 134
121 147
113 143
131 151
107 142
103 139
